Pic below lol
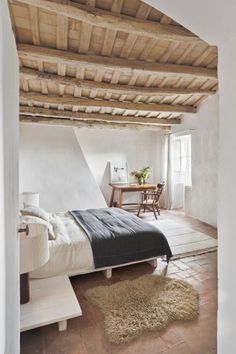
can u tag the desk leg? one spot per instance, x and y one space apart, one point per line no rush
120 199
112 197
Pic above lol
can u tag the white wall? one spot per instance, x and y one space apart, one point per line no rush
201 198
9 270
52 163
197 15
68 166
227 198
138 148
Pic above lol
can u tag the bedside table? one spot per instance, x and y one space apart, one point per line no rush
52 300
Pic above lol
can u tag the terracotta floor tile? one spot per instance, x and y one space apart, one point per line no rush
181 348
74 343
32 350
53 340
200 336
150 344
32 341
171 337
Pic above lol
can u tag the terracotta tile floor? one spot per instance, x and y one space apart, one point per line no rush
85 334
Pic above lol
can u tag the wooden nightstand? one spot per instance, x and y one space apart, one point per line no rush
52 300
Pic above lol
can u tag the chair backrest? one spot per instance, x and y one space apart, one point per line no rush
160 188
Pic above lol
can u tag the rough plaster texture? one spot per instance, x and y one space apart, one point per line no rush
138 148
201 198
196 15
52 163
57 162
9 115
227 197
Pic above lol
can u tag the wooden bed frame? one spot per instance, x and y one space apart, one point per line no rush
107 271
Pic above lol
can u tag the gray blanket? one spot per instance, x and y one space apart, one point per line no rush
118 237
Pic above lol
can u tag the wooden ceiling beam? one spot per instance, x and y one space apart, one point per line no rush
114 21
29 74
66 100
90 124
34 24
49 55
54 113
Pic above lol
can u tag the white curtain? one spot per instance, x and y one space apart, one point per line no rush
176 169
181 168
166 200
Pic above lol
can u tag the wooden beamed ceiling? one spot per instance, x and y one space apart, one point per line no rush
108 62
54 113
116 22
70 101
127 66
90 123
32 74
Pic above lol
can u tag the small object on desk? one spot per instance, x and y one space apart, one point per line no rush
52 301
142 175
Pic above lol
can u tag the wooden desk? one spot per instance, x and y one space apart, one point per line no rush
122 188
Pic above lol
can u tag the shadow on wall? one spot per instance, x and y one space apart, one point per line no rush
105 188
53 164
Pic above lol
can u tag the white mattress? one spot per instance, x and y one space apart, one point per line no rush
70 252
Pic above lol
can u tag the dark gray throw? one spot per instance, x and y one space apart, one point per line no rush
118 237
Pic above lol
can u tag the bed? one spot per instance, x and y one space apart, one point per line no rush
90 240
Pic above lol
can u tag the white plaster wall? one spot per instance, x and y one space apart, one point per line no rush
201 198
212 20
227 198
9 269
138 148
52 163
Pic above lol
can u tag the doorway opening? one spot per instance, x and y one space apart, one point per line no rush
181 176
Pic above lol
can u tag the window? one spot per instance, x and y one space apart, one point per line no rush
181 159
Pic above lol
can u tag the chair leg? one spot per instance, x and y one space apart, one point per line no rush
158 209
154 211
139 210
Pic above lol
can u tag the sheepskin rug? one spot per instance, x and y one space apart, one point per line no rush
148 303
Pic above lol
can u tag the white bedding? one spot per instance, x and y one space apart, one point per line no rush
70 252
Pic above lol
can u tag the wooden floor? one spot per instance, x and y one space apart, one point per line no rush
85 334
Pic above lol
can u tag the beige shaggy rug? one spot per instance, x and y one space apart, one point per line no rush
148 303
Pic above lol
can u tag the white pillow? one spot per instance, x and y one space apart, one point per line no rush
35 211
28 219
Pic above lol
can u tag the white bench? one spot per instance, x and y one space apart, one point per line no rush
52 300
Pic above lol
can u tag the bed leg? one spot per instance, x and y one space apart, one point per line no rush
62 325
107 273
153 262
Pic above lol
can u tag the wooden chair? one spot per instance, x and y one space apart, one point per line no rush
150 200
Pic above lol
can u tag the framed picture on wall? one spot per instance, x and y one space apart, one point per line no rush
119 172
